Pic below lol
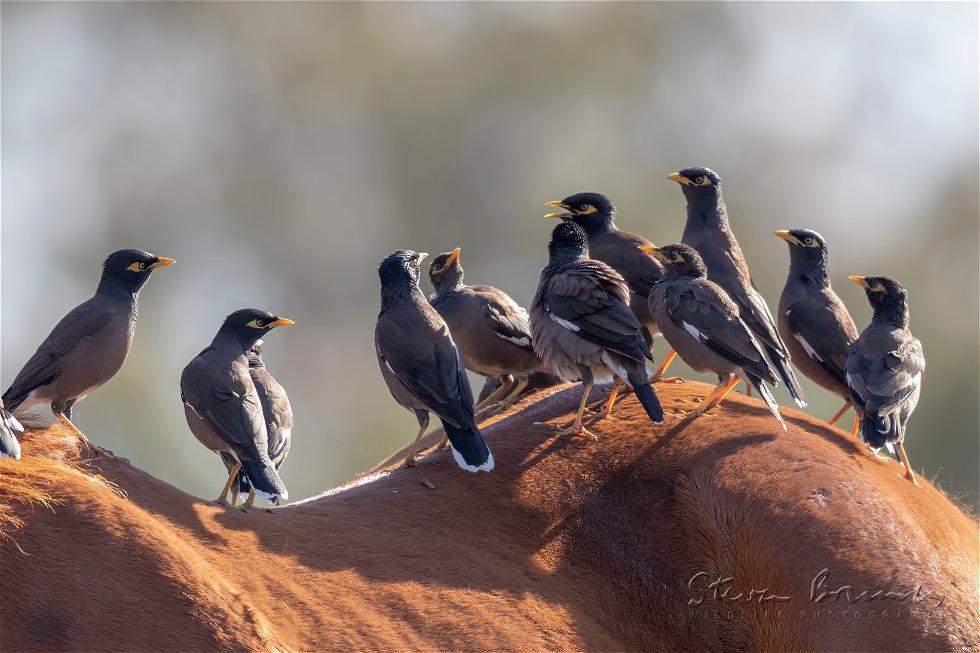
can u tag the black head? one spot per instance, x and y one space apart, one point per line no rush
807 249
591 211
888 298
568 242
249 325
680 261
697 181
254 355
445 271
401 268
130 268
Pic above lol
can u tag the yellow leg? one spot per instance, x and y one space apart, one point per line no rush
576 427
250 500
495 395
724 393
855 425
720 390
659 377
442 445
522 382
905 461
223 497
410 458
608 406
839 413
81 436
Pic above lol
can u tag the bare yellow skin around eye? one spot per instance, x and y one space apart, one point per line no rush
588 210
137 267
256 324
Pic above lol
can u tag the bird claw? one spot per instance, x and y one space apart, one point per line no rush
668 379
909 476
411 462
577 429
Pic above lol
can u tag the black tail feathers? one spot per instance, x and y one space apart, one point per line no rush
265 479
647 396
470 450
782 365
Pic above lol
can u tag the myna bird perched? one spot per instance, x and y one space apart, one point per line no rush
885 368
582 325
708 231
813 321
490 329
702 324
9 428
278 415
421 365
223 408
620 250
89 345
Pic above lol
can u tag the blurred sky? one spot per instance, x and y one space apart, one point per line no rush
279 151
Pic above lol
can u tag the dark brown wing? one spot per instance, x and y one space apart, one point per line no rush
703 310
590 299
822 332
84 321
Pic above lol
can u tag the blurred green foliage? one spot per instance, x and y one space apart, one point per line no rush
279 151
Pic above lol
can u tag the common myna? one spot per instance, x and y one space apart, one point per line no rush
490 329
885 368
596 214
9 427
582 325
278 420
813 321
421 365
223 407
89 345
709 232
702 324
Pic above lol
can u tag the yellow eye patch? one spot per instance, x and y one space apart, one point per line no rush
256 324
588 210
138 266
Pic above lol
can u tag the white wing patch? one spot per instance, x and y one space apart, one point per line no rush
694 332
523 342
808 348
565 323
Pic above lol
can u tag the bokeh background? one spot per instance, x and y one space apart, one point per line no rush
279 151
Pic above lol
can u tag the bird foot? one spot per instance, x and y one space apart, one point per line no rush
411 461
880 458
667 379
577 428
221 501
909 476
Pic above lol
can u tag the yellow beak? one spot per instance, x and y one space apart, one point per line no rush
558 204
679 178
859 280
161 261
453 256
652 251
788 237
281 321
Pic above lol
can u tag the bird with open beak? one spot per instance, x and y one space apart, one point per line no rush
490 329
596 214
885 368
223 409
89 345
704 327
812 320
583 328
709 231
421 365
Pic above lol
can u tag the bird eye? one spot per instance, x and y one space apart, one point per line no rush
437 268
584 207
699 180
260 323
809 241
142 266
876 286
